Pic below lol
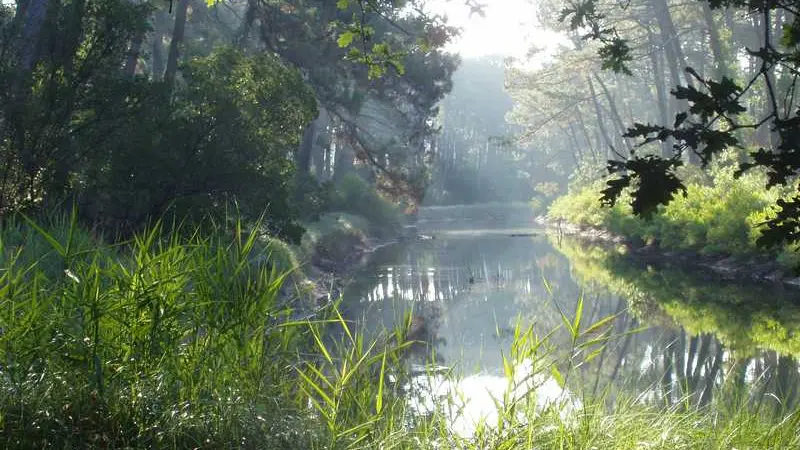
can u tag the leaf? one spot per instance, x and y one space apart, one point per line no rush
593 354
345 39
614 190
343 4
47 236
600 324
557 376
615 56
381 377
680 118
576 324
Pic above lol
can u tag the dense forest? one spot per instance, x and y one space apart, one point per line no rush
131 110
313 224
691 109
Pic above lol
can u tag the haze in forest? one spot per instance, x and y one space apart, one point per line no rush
354 224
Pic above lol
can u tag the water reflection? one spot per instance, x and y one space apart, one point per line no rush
473 400
675 338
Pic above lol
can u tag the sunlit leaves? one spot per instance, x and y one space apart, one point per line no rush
345 39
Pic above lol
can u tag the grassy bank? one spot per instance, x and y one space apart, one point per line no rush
718 215
178 339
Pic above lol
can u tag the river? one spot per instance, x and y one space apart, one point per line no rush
667 334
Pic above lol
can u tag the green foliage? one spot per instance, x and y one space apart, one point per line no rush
723 217
160 342
174 342
355 196
714 115
53 116
333 240
90 121
581 208
225 138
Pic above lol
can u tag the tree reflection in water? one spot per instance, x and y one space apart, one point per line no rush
676 338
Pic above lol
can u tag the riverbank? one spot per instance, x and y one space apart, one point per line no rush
753 267
336 246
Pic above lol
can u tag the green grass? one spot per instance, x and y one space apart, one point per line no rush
178 340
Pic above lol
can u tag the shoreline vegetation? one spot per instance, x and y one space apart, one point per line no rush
178 339
755 267
714 227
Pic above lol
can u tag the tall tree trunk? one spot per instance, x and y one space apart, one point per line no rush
661 95
303 158
600 121
586 137
573 138
158 56
175 44
35 14
676 61
247 23
672 43
720 62
133 55
343 159
617 119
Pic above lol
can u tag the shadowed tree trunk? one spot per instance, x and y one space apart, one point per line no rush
343 162
303 158
676 61
599 112
175 44
133 55
720 63
160 27
35 14
617 119
656 63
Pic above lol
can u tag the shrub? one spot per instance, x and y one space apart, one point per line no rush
719 213
355 196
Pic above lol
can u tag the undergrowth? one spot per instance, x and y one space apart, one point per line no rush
719 214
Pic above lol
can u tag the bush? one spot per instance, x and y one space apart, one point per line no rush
355 196
334 238
718 214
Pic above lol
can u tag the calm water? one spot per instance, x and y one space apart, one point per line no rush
675 334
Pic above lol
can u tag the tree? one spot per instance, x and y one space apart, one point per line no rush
717 116
114 106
